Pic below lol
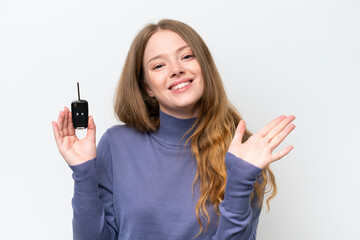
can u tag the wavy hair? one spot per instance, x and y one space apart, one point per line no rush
212 132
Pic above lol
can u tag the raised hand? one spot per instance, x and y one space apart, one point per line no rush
258 149
75 151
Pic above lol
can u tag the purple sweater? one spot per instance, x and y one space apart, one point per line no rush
139 187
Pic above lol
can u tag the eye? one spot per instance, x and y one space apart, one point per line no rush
158 66
188 56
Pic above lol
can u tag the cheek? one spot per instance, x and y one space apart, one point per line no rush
202 86
202 80
198 72
195 67
155 81
148 84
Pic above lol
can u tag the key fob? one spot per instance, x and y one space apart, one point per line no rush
79 112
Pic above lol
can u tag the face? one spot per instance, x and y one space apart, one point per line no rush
172 74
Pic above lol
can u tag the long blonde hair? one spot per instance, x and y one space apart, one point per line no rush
212 132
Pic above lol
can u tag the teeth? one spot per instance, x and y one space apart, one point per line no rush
181 85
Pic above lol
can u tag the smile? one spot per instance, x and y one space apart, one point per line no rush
180 85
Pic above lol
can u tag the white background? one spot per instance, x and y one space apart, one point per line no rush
276 57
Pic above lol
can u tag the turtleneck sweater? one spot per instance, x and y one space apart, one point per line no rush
140 187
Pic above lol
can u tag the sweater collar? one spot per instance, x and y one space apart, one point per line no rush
172 129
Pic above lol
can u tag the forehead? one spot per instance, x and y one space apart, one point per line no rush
163 42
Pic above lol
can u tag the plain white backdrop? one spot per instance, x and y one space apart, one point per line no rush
298 57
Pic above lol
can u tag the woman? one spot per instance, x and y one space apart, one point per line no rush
183 166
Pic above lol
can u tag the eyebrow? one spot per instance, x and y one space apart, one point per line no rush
160 55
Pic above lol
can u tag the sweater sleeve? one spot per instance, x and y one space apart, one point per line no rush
93 212
236 219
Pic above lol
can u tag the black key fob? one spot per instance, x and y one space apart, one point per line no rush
80 112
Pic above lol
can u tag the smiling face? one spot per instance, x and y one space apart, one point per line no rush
172 74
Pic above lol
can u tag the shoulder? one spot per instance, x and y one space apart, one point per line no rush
121 141
123 130
119 136
121 133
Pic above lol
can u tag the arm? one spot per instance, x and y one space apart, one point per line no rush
92 202
236 219
244 162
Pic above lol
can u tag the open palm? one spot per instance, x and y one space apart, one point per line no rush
258 149
74 150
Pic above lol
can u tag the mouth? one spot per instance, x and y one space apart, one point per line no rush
182 84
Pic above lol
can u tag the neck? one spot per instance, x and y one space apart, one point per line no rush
172 130
182 113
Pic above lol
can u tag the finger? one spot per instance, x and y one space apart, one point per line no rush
66 117
71 128
91 130
281 136
281 154
265 130
239 132
60 123
279 127
58 138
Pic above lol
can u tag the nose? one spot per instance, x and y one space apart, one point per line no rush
176 70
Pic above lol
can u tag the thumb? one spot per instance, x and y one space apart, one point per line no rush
240 130
91 130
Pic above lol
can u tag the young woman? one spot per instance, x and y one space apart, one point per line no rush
183 166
